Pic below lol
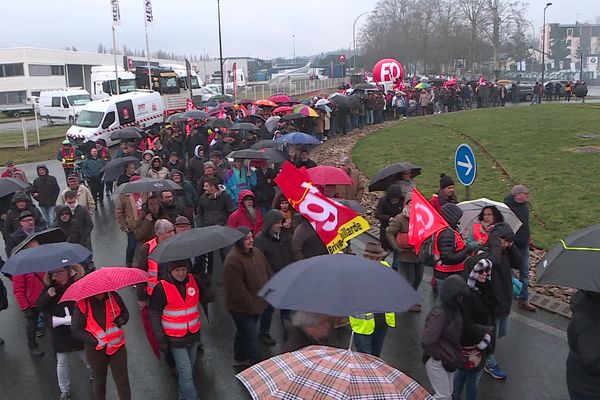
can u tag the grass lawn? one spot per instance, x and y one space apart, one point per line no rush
533 144
11 145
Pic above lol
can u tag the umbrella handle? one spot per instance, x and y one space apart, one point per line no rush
112 308
351 340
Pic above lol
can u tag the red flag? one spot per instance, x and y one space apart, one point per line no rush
335 223
424 220
244 110
189 105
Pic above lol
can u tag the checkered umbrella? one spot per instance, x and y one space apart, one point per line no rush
320 372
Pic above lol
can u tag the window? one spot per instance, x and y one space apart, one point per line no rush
89 119
65 103
79 99
56 102
569 31
11 70
568 42
46 70
17 97
108 120
57 70
35 93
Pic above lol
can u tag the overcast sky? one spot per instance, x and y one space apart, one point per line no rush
257 28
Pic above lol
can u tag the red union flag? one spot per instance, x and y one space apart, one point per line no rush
335 223
189 105
424 220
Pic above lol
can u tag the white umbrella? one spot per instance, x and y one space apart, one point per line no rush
471 210
322 102
424 79
271 123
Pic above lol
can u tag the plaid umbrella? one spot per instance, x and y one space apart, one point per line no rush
320 372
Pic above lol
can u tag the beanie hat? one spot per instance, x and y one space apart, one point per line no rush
245 230
445 181
177 264
451 213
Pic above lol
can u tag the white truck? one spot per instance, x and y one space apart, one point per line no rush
100 118
103 81
181 72
62 106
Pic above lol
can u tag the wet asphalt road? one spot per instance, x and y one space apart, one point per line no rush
533 353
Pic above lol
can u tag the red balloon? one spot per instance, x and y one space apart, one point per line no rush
388 70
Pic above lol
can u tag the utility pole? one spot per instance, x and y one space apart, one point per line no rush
220 49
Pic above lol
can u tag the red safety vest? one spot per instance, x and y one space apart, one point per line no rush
460 244
69 159
112 338
105 155
149 143
479 234
181 316
152 267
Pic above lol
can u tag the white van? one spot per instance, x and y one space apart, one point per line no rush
62 106
99 119
103 81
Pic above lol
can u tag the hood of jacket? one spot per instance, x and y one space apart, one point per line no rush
454 287
156 158
394 191
148 152
178 172
77 272
20 195
240 243
43 166
197 150
451 213
502 230
270 218
243 194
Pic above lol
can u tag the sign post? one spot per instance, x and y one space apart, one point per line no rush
465 166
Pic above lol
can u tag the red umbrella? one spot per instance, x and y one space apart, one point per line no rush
326 175
280 98
104 280
282 110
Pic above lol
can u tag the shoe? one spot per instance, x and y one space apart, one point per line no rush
495 372
267 339
65 396
243 363
527 306
40 333
36 352
416 308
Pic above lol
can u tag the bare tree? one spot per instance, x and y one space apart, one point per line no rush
473 12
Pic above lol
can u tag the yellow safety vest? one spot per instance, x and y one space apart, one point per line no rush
364 324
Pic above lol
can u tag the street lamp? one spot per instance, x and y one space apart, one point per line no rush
220 48
544 48
354 35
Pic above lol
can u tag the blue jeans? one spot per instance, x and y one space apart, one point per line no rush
48 214
469 380
265 319
131 245
502 325
577 396
371 344
370 117
185 359
524 273
245 344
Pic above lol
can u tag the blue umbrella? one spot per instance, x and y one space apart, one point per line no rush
341 285
297 138
45 257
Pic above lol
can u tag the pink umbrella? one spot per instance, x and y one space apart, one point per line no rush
104 280
280 98
282 110
326 175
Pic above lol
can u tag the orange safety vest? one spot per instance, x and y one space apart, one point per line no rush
181 316
152 267
112 338
460 244
69 159
479 234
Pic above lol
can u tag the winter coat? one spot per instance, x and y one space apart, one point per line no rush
583 362
178 165
47 189
354 191
187 197
237 180
306 242
386 210
443 327
446 242
244 274
195 170
27 289
144 229
160 173
84 198
90 168
71 228
61 338
277 249
265 187
240 216
400 225
438 200
125 212
214 210
11 223
521 210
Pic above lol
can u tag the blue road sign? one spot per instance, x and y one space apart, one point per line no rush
465 165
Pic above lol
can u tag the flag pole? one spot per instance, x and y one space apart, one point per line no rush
148 18
115 60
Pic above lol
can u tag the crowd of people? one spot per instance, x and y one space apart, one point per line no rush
473 266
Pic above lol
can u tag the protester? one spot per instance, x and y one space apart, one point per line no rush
98 323
82 216
308 329
84 196
128 212
445 195
245 272
70 226
306 242
265 189
186 198
58 321
215 205
11 171
238 178
21 202
388 207
246 214
174 163
45 191
128 173
196 164
304 160
151 212
281 203
90 169
157 170
182 224
488 218
357 189
68 155
171 209
27 226
146 163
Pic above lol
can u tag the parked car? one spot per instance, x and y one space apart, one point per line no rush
525 92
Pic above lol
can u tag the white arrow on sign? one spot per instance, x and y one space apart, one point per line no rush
466 165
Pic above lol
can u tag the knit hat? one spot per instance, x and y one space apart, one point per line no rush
177 264
25 214
182 220
245 230
451 213
445 181
483 264
72 177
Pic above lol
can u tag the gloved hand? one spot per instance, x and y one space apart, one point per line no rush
485 342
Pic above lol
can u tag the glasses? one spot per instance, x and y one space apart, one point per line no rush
486 271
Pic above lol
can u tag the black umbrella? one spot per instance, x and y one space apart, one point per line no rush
574 262
384 178
340 285
11 185
131 132
340 100
52 235
195 114
292 117
220 123
179 117
247 154
195 242
353 205
113 169
275 156
244 126
85 147
265 144
46 257
146 185
254 118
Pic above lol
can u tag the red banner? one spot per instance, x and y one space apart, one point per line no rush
189 105
424 220
335 223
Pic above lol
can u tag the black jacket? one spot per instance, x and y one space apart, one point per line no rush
278 250
214 211
265 187
11 223
446 242
386 210
583 362
478 315
521 210
47 189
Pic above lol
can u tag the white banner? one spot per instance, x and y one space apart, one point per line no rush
148 10
116 13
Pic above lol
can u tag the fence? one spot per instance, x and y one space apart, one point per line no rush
28 133
290 87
